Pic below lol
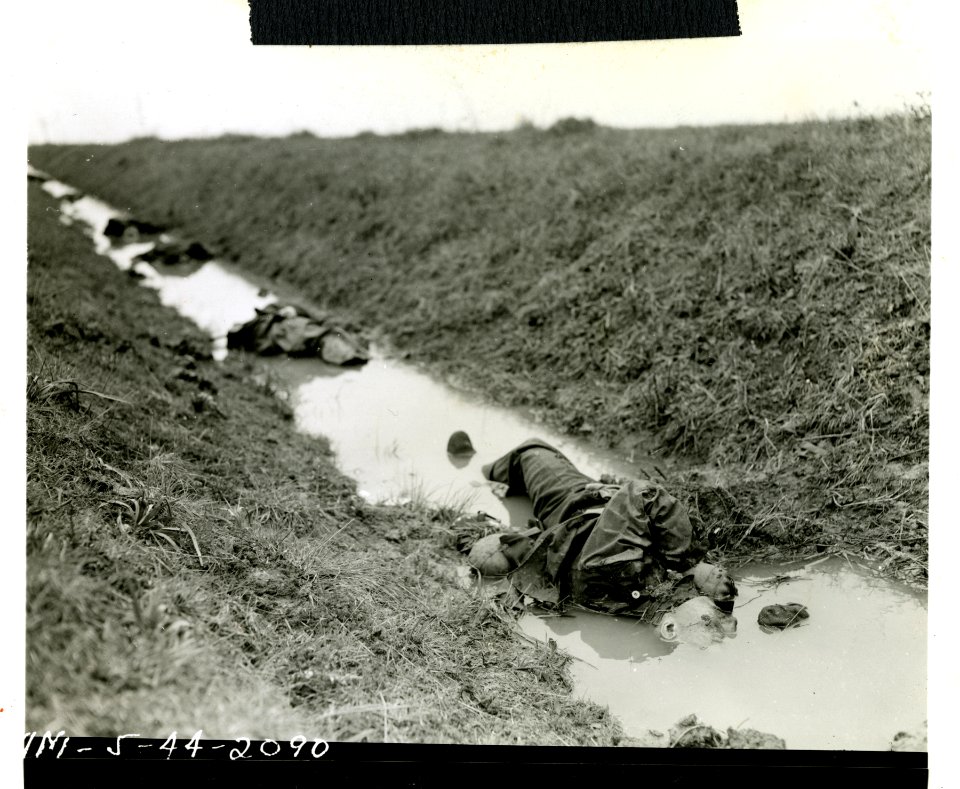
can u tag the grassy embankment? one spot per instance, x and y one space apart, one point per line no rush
754 301
291 613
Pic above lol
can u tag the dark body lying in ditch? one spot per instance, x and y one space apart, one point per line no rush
622 549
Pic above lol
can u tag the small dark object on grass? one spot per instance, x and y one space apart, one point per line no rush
204 403
74 331
64 392
192 348
780 617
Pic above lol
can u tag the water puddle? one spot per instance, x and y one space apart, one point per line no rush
387 423
851 677
210 295
389 426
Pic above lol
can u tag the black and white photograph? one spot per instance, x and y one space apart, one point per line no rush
569 394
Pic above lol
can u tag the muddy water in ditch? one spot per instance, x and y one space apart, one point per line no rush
851 677
211 295
389 426
387 423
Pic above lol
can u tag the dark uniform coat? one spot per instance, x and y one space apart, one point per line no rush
620 549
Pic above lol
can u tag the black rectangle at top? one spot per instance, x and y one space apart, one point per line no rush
393 22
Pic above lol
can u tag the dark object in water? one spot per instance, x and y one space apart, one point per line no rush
780 617
114 228
124 228
197 251
460 445
171 253
297 332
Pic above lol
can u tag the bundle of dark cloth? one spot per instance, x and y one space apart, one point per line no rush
171 253
781 616
286 329
129 230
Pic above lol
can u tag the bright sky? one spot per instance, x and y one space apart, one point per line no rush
106 70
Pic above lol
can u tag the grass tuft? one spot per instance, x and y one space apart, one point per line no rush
154 519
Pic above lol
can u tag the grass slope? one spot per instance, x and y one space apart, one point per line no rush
298 610
754 302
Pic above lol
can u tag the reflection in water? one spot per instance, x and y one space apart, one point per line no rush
387 423
459 461
849 678
698 621
389 426
57 190
210 295
610 637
